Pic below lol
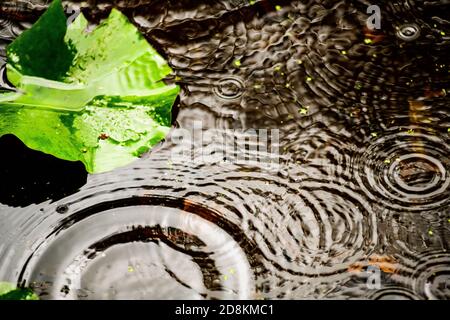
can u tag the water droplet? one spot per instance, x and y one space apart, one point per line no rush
229 88
416 180
62 208
408 32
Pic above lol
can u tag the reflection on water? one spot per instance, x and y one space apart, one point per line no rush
358 206
157 252
28 176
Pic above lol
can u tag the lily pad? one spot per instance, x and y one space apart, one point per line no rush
9 291
96 97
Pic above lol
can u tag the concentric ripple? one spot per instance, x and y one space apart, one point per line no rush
329 228
134 249
394 293
432 276
162 228
410 170
229 88
408 32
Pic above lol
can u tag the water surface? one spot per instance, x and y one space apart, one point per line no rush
357 207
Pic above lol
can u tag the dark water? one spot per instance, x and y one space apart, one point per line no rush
357 207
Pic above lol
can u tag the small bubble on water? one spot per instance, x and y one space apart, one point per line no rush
408 32
62 208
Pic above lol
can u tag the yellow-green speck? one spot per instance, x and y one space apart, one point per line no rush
237 63
304 110
278 7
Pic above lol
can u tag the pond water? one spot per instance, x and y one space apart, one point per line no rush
348 198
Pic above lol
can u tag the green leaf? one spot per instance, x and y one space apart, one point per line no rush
9 291
42 51
105 108
6 287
